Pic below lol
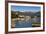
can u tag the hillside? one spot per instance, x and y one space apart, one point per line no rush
25 13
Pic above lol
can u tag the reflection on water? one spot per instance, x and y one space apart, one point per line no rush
25 22
21 23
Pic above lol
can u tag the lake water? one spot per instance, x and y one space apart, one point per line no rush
22 24
25 23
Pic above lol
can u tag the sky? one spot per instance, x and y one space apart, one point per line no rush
25 8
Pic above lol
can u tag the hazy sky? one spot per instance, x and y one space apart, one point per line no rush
25 8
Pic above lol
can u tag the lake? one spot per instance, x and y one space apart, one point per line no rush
22 24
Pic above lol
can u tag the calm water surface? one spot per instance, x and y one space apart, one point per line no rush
22 24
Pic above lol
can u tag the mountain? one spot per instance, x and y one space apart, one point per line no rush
27 13
37 14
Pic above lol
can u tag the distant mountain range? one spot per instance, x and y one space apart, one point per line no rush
27 13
